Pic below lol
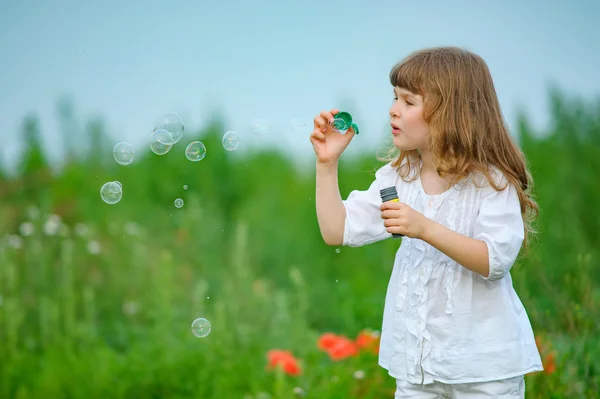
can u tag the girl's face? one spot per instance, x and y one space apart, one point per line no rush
410 131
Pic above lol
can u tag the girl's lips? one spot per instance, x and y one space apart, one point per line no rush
395 131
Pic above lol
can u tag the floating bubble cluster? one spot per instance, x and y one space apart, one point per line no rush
168 130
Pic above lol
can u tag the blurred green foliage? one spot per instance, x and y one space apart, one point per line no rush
97 300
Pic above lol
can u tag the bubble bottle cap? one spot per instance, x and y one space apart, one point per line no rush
388 194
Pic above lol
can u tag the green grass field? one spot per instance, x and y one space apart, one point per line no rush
97 301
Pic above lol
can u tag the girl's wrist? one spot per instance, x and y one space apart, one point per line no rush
327 165
428 232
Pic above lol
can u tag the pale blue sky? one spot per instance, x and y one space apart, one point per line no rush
131 61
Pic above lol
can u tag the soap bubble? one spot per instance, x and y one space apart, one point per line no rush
297 126
171 128
201 327
260 127
111 192
342 122
195 151
123 153
178 203
185 187
156 146
164 137
231 141
340 125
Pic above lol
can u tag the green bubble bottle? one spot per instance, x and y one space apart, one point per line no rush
390 194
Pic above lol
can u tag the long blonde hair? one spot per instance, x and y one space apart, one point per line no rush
468 131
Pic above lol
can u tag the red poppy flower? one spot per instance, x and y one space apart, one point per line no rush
368 340
337 347
285 360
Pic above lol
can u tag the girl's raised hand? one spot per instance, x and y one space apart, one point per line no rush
327 143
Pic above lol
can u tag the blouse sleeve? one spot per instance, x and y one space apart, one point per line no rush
363 223
500 225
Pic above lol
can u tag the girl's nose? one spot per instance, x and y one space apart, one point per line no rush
394 110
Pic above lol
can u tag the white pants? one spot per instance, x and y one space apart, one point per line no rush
508 388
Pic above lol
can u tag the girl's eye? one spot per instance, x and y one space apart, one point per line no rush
409 103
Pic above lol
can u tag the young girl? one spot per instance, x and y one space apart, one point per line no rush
453 325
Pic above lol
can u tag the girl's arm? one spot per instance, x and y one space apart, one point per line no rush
469 252
498 233
331 212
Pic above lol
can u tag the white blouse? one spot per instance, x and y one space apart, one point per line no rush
442 321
